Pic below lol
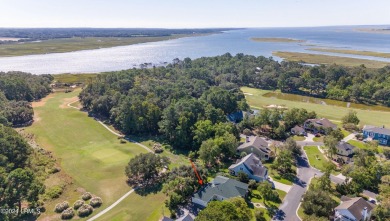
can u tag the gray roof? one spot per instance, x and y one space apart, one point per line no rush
253 165
187 217
378 130
345 146
323 122
222 186
355 206
298 129
256 142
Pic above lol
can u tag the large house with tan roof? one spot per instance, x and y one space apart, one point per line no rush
257 145
319 125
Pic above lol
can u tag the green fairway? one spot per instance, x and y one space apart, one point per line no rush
256 100
316 158
136 207
87 151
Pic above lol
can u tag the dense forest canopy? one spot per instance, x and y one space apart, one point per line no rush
17 90
18 182
171 100
32 34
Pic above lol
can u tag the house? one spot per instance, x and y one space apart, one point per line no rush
381 134
353 209
220 188
187 217
256 145
297 130
240 115
319 125
344 152
252 166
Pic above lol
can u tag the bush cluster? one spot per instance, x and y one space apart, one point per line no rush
67 214
78 204
85 210
61 207
96 202
86 196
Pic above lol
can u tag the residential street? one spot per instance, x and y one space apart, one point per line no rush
291 203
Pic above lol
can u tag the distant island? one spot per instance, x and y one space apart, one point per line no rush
375 30
30 41
283 40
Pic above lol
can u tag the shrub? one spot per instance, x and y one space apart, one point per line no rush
252 184
386 152
247 132
67 214
259 215
96 202
86 196
85 210
122 141
351 127
61 207
78 204
54 192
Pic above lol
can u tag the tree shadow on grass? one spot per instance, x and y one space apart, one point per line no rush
152 188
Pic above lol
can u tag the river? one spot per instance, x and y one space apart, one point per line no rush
237 41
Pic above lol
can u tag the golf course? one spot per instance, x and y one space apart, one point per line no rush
257 99
92 157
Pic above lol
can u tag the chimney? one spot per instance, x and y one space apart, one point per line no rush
247 139
365 213
383 126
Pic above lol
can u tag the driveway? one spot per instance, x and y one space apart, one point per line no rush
281 186
349 137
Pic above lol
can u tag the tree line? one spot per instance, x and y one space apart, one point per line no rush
17 90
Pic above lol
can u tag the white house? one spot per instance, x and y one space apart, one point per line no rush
252 166
353 209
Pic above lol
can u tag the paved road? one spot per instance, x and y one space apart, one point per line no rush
310 143
293 198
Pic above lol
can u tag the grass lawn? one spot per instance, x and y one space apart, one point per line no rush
92 156
358 144
298 138
178 158
73 78
318 139
371 117
316 158
328 59
256 198
276 176
136 207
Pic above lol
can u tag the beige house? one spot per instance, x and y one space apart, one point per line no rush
257 145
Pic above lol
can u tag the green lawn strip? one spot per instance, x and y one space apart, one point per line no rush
318 139
316 158
298 138
87 151
357 144
73 78
370 117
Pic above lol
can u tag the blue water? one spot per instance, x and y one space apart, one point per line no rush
237 41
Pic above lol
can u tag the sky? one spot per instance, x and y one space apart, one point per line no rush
192 14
